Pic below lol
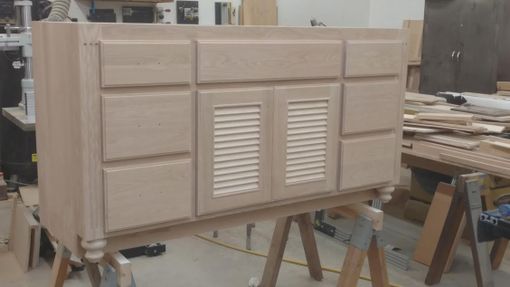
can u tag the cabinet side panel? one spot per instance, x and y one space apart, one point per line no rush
58 129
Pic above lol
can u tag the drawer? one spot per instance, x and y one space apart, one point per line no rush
143 195
372 106
146 125
130 63
234 148
367 161
305 142
373 58
244 61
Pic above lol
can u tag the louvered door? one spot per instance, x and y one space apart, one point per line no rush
305 140
234 148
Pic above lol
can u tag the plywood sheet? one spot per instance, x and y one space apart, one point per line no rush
142 195
373 58
146 124
259 12
370 106
131 63
241 61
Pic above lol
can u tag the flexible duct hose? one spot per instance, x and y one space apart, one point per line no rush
59 10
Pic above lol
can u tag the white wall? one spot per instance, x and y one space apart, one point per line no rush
346 13
391 13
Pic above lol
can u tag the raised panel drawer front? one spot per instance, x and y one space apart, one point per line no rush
262 60
305 140
372 106
234 148
373 58
146 125
130 63
149 194
367 161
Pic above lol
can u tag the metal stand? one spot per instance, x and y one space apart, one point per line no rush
466 200
22 38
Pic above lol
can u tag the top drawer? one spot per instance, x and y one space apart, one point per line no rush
130 63
247 61
373 58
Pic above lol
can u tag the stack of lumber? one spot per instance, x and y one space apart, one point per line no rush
431 119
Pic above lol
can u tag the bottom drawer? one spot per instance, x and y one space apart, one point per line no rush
142 195
367 161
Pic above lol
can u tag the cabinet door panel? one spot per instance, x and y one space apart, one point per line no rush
370 106
367 161
305 140
234 148
145 125
144 195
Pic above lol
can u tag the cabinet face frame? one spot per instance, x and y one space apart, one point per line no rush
302 113
233 113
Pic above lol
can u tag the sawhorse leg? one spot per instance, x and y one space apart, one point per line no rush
498 252
60 265
466 200
277 248
364 241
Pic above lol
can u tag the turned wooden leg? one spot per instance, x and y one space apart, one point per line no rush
276 250
377 263
385 193
94 250
310 246
60 264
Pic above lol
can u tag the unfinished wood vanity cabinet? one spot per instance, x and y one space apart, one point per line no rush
150 132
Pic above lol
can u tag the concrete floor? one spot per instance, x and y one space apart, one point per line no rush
193 262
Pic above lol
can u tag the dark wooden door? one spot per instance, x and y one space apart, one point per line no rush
478 58
441 44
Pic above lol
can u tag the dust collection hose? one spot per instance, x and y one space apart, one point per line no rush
59 10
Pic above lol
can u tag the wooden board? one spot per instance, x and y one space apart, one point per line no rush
25 235
415 28
146 125
423 98
494 112
362 103
371 58
305 140
496 146
126 63
464 142
444 117
503 86
434 223
29 195
259 12
142 195
246 61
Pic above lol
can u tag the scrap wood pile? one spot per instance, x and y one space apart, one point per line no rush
469 127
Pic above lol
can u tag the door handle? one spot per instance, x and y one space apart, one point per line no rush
453 54
458 55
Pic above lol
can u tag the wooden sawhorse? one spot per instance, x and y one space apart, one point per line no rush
466 201
365 241
121 265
